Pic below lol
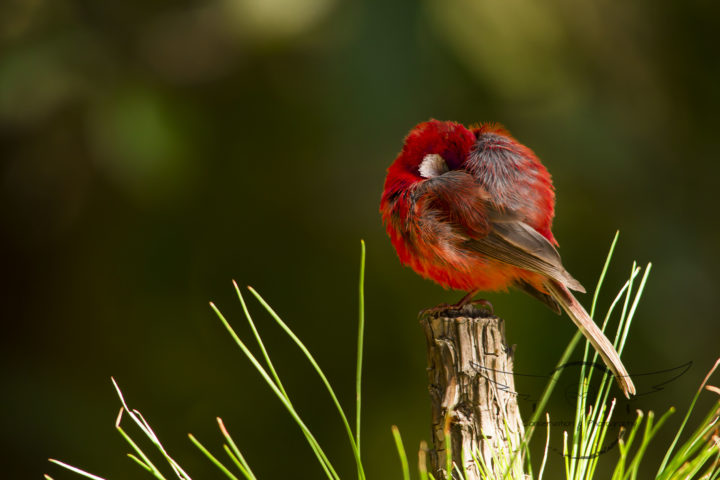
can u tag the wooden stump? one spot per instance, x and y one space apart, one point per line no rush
470 373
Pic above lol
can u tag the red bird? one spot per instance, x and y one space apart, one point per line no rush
472 210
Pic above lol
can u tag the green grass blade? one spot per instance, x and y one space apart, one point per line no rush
569 349
448 446
260 343
320 454
464 473
626 303
321 374
146 463
551 384
171 461
602 394
244 466
566 456
361 336
650 431
590 438
624 449
75 469
601 279
422 461
139 462
271 368
636 300
211 457
662 474
600 440
237 462
714 468
140 421
596 295
591 422
482 467
401 452
682 460
547 446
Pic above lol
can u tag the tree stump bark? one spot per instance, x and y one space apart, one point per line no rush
474 402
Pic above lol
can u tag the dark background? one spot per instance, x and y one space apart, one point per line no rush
152 152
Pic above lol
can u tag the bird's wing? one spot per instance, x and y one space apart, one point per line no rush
457 200
517 243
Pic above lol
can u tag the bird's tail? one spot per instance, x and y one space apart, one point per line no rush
591 331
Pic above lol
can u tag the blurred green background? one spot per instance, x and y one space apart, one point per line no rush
152 152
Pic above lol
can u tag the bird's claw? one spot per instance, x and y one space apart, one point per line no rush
443 307
485 304
437 309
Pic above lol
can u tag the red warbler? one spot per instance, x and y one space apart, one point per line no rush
472 209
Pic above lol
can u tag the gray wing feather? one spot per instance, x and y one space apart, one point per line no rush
518 244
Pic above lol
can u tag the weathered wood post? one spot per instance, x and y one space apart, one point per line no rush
470 374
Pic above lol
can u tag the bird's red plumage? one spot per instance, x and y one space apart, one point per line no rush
472 209
428 248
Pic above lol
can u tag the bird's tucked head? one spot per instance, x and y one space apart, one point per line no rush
433 147
430 149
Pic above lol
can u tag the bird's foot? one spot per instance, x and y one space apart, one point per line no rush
485 304
467 300
444 307
437 309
